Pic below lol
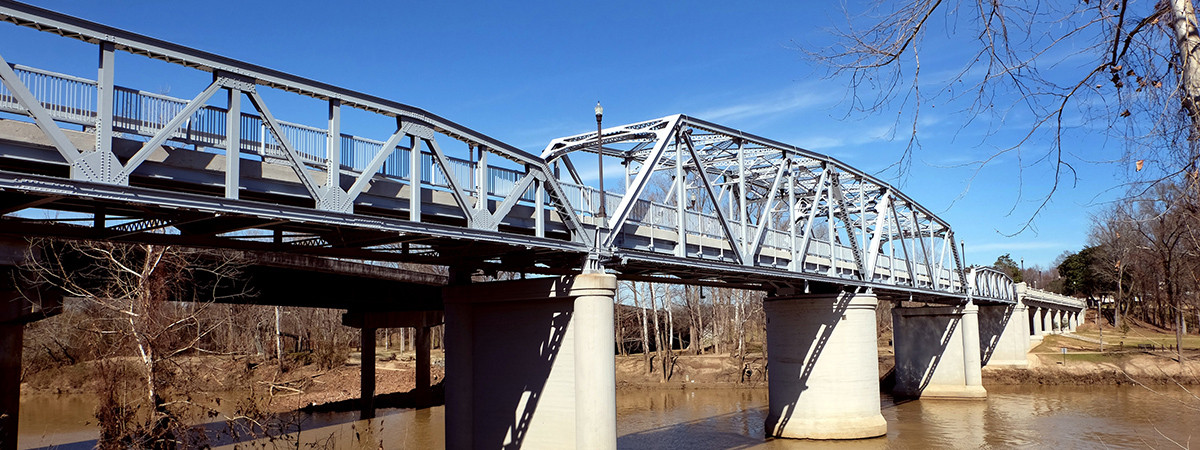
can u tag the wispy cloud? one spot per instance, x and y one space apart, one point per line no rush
848 137
797 98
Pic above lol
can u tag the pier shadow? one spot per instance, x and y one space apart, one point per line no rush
925 364
993 320
510 380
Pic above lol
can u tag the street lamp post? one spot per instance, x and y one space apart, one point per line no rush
600 213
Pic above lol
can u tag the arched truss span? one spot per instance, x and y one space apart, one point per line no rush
701 191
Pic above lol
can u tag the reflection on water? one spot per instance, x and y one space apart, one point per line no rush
1012 416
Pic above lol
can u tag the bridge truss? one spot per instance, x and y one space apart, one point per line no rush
702 203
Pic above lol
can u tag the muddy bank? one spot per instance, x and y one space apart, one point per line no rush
236 378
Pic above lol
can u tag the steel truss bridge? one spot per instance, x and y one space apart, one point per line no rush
701 203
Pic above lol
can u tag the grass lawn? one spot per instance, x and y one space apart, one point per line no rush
1135 337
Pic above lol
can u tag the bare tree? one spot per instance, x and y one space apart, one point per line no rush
1140 76
136 291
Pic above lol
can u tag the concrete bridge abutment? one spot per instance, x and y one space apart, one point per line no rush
529 363
822 358
937 352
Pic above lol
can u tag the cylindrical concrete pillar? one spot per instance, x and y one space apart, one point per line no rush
595 367
972 366
1037 322
823 365
1047 319
1023 326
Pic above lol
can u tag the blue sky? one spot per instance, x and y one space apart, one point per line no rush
528 72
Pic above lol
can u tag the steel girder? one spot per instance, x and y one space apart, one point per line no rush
699 190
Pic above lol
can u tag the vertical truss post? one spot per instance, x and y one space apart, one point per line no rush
680 197
414 175
912 276
481 180
924 249
233 142
104 98
832 234
741 187
333 146
862 214
958 265
539 213
791 188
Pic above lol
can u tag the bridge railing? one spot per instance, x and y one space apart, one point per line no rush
72 100
1027 293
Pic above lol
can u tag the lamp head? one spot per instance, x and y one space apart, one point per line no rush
599 111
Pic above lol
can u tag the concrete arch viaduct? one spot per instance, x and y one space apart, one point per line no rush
700 204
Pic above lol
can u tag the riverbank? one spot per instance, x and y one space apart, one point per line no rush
236 378
312 388
1077 360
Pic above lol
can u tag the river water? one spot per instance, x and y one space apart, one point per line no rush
1012 416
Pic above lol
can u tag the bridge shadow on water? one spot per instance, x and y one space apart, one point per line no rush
734 430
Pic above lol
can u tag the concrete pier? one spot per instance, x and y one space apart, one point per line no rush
1004 335
1035 325
529 364
823 365
937 352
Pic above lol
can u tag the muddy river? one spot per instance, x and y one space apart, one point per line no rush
1012 416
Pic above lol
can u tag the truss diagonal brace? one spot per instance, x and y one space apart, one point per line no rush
38 112
138 158
703 175
288 150
460 197
617 220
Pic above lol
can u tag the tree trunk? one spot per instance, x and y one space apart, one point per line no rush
670 327
645 332
693 334
620 337
278 337
1183 18
700 320
657 334
1179 330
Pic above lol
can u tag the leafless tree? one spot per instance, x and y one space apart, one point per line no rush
1124 67
155 300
